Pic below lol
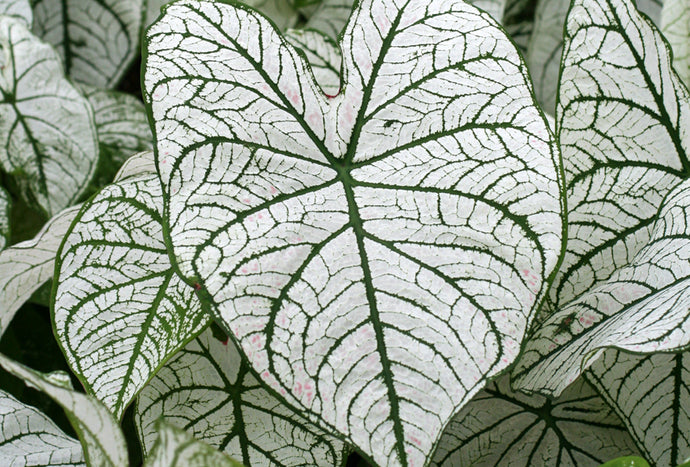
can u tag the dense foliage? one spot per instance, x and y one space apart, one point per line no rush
315 233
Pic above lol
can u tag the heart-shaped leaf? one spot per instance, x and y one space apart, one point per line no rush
120 311
355 243
28 265
651 393
99 433
207 389
177 448
675 24
47 136
28 437
96 39
18 8
624 147
501 427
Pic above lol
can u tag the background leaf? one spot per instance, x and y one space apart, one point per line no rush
675 24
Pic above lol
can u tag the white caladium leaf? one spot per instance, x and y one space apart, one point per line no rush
643 307
26 266
18 8
28 437
96 39
177 448
501 427
120 311
99 433
323 56
348 241
331 17
5 205
121 123
675 24
651 393
545 46
209 391
47 135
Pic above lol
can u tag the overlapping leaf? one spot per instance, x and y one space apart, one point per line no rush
207 389
501 427
19 8
99 433
348 241
176 448
28 437
47 136
120 310
96 39
28 265
651 393
675 24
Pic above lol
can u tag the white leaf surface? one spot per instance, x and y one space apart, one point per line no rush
97 39
176 448
323 56
28 437
501 427
5 206
26 266
47 135
207 389
651 393
99 433
348 241
643 307
675 24
18 8
120 311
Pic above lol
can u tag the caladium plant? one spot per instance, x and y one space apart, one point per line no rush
362 234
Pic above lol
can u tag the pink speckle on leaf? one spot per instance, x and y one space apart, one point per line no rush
273 190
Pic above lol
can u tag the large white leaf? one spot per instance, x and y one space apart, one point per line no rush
176 448
501 427
28 437
18 8
96 39
47 135
385 246
675 24
99 433
207 389
651 393
28 265
643 307
120 310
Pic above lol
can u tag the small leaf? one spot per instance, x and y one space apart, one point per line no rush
26 266
176 448
207 389
675 24
651 393
28 437
501 427
47 136
18 8
97 39
98 432
120 310
347 241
